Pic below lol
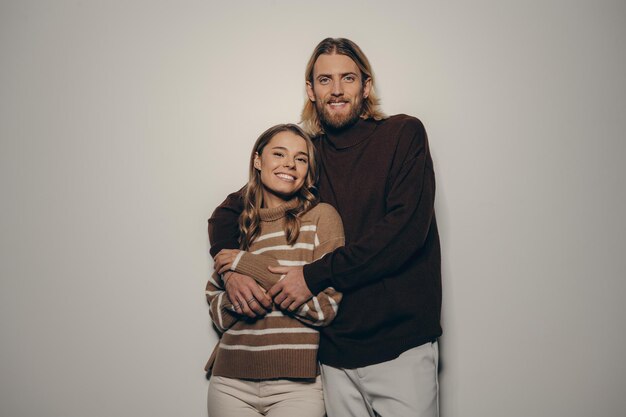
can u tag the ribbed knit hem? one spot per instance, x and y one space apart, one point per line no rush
351 355
300 364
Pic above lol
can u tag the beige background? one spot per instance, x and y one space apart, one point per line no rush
124 123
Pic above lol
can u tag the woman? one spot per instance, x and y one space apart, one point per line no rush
268 366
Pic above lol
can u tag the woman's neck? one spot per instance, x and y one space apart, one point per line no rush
270 214
272 201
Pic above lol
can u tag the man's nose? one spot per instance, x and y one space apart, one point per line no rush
337 89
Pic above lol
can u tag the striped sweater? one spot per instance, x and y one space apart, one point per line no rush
280 344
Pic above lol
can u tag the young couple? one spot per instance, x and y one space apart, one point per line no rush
283 272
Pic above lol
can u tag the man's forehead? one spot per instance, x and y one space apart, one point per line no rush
334 63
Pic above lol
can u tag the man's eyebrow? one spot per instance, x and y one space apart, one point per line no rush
342 75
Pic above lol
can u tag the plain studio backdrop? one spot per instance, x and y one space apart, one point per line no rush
123 124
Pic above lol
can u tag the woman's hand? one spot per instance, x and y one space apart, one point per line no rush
224 260
247 297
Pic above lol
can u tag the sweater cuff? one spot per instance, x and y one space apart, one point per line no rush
315 278
233 267
247 265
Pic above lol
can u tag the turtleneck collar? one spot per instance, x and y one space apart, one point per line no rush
352 135
273 214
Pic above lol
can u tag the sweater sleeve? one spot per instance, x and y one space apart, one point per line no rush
223 224
220 307
322 308
387 244
255 266
318 311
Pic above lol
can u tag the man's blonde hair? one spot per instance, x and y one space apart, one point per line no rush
341 46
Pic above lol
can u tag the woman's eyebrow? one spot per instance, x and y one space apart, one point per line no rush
285 149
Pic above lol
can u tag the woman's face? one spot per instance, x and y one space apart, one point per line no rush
283 164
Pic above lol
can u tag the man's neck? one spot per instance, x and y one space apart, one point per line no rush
351 135
338 131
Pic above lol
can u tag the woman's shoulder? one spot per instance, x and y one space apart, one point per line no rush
323 209
323 215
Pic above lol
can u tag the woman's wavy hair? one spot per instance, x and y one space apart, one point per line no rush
306 197
371 105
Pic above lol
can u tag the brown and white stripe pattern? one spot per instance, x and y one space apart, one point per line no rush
279 345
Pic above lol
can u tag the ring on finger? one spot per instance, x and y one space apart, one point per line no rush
250 300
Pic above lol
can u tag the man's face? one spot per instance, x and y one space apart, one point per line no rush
337 90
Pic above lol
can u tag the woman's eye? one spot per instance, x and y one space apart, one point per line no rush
279 154
303 160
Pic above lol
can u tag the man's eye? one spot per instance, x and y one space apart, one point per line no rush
324 81
349 78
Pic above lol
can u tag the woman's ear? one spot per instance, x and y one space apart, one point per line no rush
257 161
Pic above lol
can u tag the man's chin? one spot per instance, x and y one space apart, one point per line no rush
339 123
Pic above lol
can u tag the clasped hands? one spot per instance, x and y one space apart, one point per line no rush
250 299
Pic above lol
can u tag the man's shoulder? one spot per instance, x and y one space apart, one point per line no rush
401 132
402 120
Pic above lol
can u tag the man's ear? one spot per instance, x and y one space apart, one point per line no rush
257 161
309 91
367 87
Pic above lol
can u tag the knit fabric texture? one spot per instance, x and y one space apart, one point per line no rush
280 344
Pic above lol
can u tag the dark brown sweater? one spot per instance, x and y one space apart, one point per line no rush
379 176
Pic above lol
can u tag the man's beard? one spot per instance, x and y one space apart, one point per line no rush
338 121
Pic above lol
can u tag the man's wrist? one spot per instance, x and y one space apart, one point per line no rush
311 279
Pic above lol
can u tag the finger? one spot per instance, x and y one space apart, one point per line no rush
223 268
278 269
285 304
224 257
236 298
245 309
262 298
218 263
256 307
280 298
247 305
294 306
275 290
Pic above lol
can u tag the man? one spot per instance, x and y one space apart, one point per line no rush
379 357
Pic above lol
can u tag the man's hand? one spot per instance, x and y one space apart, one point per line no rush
247 296
290 292
224 259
